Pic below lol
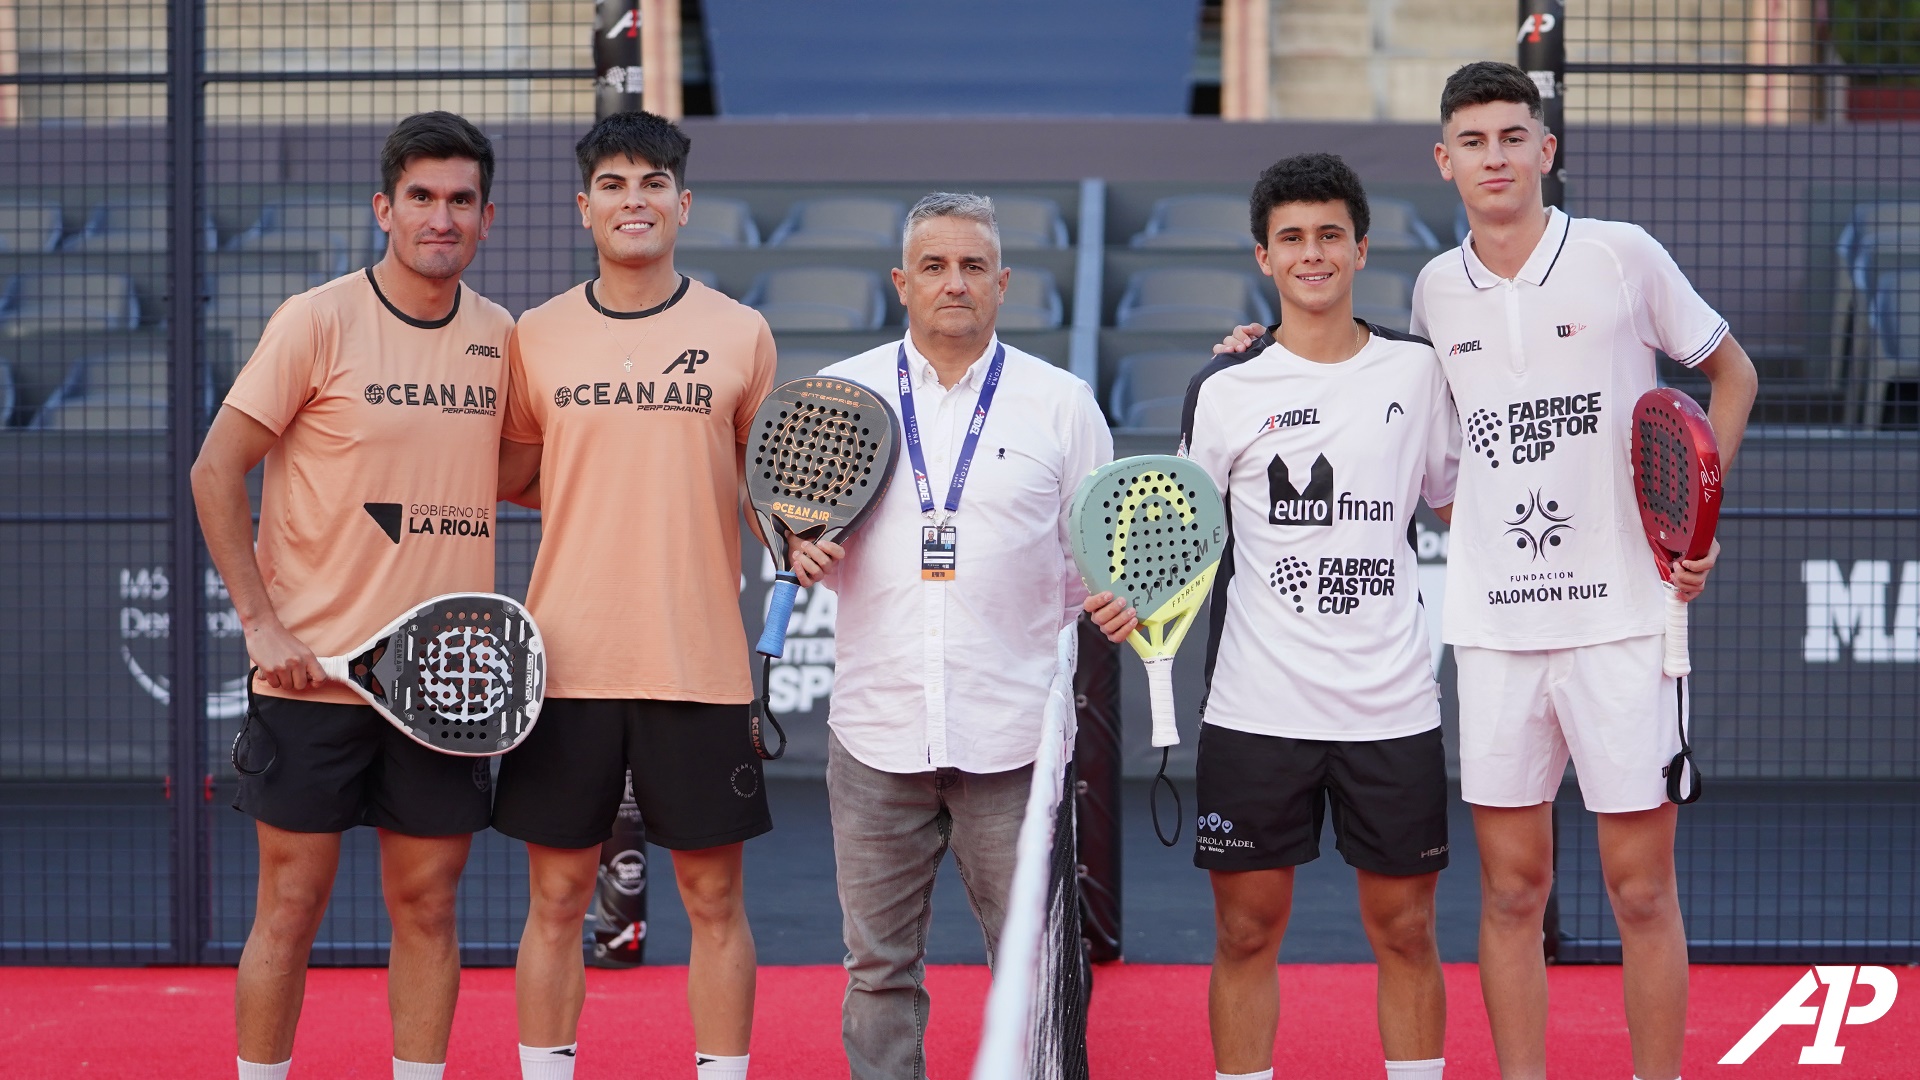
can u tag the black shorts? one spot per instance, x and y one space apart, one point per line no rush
695 775
318 767
1261 800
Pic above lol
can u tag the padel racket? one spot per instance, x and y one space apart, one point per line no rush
463 673
1150 529
821 455
1676 478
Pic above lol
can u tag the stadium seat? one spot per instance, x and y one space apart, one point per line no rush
1029 222
809 361
1191 298
1877 236
8 398
1396 226
1149 388
1895 319
819 298
1196 221
68 304
127 226
1384 297
241 304
344 233
123 391
719 223
842 222
29 225
1033 301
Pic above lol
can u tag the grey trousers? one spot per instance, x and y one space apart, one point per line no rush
890 831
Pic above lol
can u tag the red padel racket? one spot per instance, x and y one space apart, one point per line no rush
1676 478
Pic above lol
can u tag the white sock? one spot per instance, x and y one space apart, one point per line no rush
1427 1069
547 1062
715 1067
253 1071
1263 1074
417 1070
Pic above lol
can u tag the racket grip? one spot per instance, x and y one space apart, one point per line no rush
1677 663
773 639
1160 693
334 667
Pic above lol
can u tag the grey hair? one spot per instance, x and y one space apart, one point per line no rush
967 206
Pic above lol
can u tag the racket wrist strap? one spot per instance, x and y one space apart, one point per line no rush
1153 803
760 713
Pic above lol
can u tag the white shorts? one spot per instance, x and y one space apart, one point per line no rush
1609 707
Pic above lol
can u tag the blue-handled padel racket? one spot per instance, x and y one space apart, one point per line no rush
820 457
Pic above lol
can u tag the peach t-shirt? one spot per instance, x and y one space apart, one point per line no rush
380 491
640 416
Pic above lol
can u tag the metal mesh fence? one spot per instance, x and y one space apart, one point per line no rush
169 172
1772 148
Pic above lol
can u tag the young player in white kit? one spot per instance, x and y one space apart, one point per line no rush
1323 435
1547 326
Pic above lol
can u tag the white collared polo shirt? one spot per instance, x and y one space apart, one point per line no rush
1547 550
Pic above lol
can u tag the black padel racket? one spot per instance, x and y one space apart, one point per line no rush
463 673
820 457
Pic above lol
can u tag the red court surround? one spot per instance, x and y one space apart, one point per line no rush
1147 1021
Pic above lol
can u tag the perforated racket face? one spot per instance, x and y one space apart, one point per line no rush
464 673
822 454
1676 473
1146 528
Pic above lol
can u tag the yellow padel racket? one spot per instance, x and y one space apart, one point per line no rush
1150 530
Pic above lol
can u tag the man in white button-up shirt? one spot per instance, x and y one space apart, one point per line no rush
951 597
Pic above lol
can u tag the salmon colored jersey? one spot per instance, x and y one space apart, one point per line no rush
641 417
380 492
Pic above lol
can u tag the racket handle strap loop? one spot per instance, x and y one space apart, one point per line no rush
773 639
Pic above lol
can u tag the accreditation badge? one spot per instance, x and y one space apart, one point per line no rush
937 552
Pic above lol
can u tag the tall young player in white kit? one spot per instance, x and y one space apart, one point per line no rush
1323 435
1547 326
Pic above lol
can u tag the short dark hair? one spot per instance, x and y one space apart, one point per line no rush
1308 178
640 136
1488 80
438 136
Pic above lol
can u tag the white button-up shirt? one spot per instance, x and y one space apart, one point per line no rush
954 674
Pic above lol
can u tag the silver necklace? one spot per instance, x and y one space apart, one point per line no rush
646 331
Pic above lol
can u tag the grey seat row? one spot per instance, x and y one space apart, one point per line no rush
859 222
1221 221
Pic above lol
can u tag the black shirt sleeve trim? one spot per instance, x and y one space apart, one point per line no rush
654 310
408 319
1391 334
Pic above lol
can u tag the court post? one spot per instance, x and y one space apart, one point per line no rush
1542 44
190 783
617 920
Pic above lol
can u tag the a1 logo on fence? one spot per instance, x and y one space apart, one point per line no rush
1826 1018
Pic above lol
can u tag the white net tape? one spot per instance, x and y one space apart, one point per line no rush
1005 1037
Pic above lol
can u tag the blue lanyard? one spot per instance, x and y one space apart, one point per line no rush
912 427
